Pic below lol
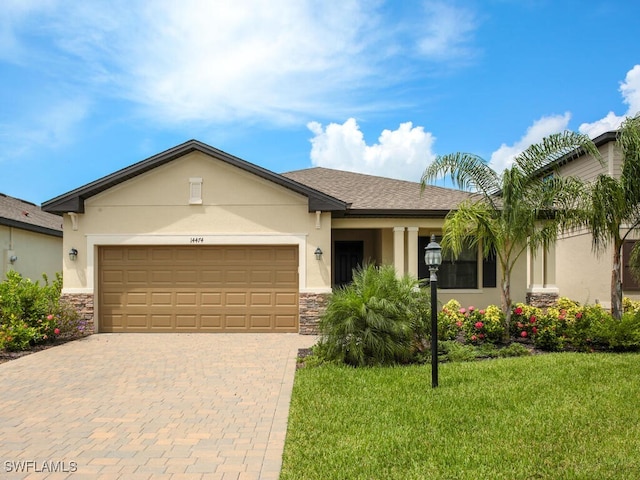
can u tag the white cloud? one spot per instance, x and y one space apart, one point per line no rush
503 157
630 90
447 31
257 60
403 153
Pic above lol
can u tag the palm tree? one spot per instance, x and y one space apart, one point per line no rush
517 209
614 209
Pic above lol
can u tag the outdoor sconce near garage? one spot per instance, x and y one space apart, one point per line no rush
73 254
433 259
318 253
13 259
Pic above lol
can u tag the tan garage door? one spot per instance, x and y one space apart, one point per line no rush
198 289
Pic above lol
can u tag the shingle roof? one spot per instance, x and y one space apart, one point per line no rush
368 194
28 216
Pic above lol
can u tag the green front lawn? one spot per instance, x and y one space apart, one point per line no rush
554 416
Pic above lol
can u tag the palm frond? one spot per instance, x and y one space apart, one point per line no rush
467 171
553 147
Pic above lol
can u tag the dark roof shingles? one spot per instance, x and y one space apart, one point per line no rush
17 212
368 192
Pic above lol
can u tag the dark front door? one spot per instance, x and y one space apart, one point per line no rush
348 255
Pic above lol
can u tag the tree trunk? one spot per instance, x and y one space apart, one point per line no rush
506 304
616 283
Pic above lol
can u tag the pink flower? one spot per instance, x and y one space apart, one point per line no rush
481 312
472 308
57 331
463 310
523 334
533 319
579 315
535 330
519 324
459 324
49 317
473 338
518 311
479 325
481 335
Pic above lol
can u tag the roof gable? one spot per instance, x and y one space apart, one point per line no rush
73 201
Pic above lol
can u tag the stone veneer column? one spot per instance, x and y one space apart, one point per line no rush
83 304
311 307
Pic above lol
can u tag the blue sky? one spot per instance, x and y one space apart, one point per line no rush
379 87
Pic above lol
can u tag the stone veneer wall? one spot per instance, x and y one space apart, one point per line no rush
83 303
541 300
312 305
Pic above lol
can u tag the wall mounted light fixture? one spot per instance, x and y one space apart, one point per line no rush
12 259
73 254
318 253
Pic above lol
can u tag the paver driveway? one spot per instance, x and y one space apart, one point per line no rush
155 406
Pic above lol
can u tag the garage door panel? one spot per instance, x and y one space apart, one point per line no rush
161 321
187 299
211 299
136 299
198 288
189 322
261 299
211 321
235 299
161 299
136 321
236 321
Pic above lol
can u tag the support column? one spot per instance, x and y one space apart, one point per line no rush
541 270
412 251
398 250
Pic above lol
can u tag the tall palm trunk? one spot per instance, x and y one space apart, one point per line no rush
506 301
616 282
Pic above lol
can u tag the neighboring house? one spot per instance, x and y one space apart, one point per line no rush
196 240
30 239
581 274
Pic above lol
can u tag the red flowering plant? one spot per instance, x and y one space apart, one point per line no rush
484 325
525 321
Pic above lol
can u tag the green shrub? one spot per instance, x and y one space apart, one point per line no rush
376 320
619 335
514 350
452 351
32 314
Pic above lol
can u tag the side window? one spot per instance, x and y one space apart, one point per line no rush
461 273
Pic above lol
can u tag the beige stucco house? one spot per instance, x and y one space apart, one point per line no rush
582 274
30 239
196 240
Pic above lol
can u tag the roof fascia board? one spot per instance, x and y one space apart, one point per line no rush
30 227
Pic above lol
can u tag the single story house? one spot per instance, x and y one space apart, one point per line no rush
30 239
194 239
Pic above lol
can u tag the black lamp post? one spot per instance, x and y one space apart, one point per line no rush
433 258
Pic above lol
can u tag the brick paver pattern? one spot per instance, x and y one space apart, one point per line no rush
142 406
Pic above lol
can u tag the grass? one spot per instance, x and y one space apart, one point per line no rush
556 416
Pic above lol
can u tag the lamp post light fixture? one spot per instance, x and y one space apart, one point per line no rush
433 259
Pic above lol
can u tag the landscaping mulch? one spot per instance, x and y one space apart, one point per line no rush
6 356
